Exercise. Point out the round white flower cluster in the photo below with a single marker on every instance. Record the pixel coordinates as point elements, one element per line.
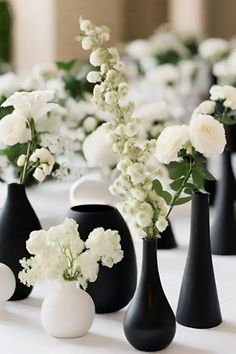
<point>214,49</point>
<point>60,254</point>
<point>226,93</point>
<point>225,70</point>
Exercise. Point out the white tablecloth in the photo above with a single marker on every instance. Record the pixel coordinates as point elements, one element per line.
<point>21,331</point>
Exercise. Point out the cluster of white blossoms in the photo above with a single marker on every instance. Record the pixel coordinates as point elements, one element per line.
<point>214,49</point>
<point>147,209</point>
<point>225,70</point>
<point>60,254</point>
<point>19,127</point>
<point>226,94</point>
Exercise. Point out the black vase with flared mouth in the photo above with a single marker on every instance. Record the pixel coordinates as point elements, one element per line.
<point>149,322</point>
<point>17,221</point>
<point>167,240</point>
<point>198,305</point>
<point>115,286</point>
<point>223,230</point>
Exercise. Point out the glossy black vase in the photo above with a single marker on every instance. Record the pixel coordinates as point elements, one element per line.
<point>223,231</point>
<point>17,220</point>
<point>149,322</point>
<point>167,240</point>
<point>115,286</point>
<point>198,305</point>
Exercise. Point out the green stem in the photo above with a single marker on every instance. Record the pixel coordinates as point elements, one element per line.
<point>30,148</point>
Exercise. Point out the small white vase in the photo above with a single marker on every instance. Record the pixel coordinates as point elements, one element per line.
<point>67,311</point>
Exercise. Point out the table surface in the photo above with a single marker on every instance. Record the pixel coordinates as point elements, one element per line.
<point>21,331</point>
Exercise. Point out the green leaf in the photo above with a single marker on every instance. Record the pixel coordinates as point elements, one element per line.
<point>177,184</point>
<point>167,197</point>
<point>177,170</point>
<point>188,191</point>
<point>181,201</point>
<point>205,173</point>
<point>197,179</point>
<point>65,65</point>
<point>157,186</point>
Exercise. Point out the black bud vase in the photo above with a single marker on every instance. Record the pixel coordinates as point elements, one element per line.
<point>149,322</point>
<point>198,305</point>
<point>223,232</point>
<point>17,220</point>
<point>167,239</point>
<point>115,286</point>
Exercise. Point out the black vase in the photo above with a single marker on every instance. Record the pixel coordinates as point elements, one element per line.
<point>114,287</point>
<point>149,322</point>
<point>198,305</point>
<point>17,220</point>
<point>167,240</point>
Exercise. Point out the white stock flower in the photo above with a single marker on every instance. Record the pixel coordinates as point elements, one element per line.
<point>144,214</point>
<point>39,175</point>
<point>97,57</point>
<point>21,160</point>
<point>207,135</point>
<point>31,104</point>
<point>136,172</point>
<point>97,152</point>
<point>86,26</point>
<point>161,223</point>
<point>87,43</point>
<point>214,49</point>
<point>206,107</point>
<point>13,129</point>
<point>89,124</point>
<point>94,76</point>
<point>170,142</point>
<point>43,155</point>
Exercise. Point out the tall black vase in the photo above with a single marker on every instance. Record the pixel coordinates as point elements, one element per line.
<point>198,305</point>
<point>114,287</point>
<point>149,322</point>
<point>167,240</point>
<point>17,220</point>
<point>223,232</point>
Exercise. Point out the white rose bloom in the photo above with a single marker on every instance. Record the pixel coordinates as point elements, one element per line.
<point>230,96</point>
<point>170,142</point>
<point>31,104</point>
<point>39,175</point>
<point>97,57</point>
<point>214,49</point>
<point>13,129</point>
<point>207,135</point>
<point>161,224</point>
<point>217,93</point>
<point>94,76</point>
<point>206,107</point>
<point>96,150</point>
<point>138,49</point>
<point>21,160</point>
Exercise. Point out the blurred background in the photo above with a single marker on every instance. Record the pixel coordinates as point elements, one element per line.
<point>42,31</point>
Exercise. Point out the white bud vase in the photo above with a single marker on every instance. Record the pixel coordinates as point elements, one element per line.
<point>67,311</point>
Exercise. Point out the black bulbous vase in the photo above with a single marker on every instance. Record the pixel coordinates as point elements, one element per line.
<point>223,231</point>
<point>114,287</point>
<point>149,322</point>
<point>198,305</point>
<point>167,240</point>
<point>17,221</point>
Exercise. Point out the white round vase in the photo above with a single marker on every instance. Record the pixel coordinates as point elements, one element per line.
<point>67,311</point>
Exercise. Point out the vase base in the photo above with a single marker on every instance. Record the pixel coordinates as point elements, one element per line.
<point>199,325</point>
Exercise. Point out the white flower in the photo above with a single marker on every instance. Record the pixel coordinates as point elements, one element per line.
<point>87,43</point>
<point>97,57</point>
<point>214,49</point>
<point>206,107</point>
<point>217,93</point>
<point>21,160</point>
<point>86,26</point>
<point>144,215</point>
<point>136,173</point>
<point>31,104</point>
<point>170,142</point>
<point>43,155</point>
<point>97,152</point>
<point>9,83</point>
<point>230,97</point>
<point>155,111</point>
<point>207,135</point>
<point>89,267</point>
<point>138,48</point>
<point>39,175</point>
<point>89,124</point>
<point>13,129</point>
<point>161,224</point>
<point>166,74</point>
<point>111,97</point>
<point>94,76</point>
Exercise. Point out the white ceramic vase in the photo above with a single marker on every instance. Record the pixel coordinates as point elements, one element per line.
<point>67,311</point>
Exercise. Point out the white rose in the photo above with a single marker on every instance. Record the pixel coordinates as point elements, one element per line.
<point>217,93</point>
<point>93,76</point>
<point>170,142</point>
<point>87,43</point>
<point>13,129</point>
<point>21,160</point>
<point>97,152</point>
<point>39,175</point>
<point>207,135</point>
<point>230,96</point>
<point>97,57</point>
<point>206,107</point>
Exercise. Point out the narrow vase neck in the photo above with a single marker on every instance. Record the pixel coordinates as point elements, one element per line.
<point>149,263</point>
<point>14,188</point>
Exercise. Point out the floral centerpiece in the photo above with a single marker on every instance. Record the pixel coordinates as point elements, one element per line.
<point>60,255</point>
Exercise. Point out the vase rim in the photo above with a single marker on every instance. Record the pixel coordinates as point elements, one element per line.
<point>93,208</point>
<point>201,193</point>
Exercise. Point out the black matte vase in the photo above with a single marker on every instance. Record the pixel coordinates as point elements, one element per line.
<point>167,240</point>
<point>17,220</point>
<point>149,322</point>
<point>115,286</point>
<point>198,305</point>
<point>223,232</point>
